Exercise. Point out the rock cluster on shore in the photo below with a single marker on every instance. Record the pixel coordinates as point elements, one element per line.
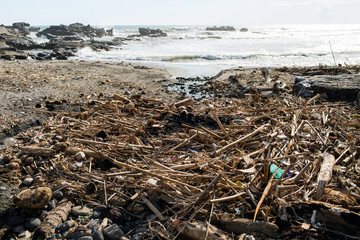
<point>222,28</point>
<point>77,30</point>
<point>149,32</point>
<point>64,41</point>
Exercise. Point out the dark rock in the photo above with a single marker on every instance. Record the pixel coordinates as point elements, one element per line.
<point>94,224</point>
<point>116,215</point>
<point>58,195</point>
<point>11,55</point>
<point>43,58</point>
<point>33,224</point>
<point>61,57</point>
<point>52,204</point>
<point>21,42</point>
<point>244,30</point>
<point>151,32</point>
<point>15,221</point>
<point>80,210</point>
<point>222,28</point>
<point>58,236</point>
<point>66,225</point>
<point>113,232</point>
<point>100,208</point>
<point>98,235</point>
<point>55,38</point>
<point>303,87</point>
<point>34,29</point>
<point>22,27</point>
<point>19,229</point>
<point>61,30</point>
<point>43,215</point>
<point>79,235</point>
<point>119,40</point>
<point>109,32</point>
<point>86,238</point>
<point>97,214</point>
<point>343,87</point>
<point>358,101</point>
<point>72,30</point>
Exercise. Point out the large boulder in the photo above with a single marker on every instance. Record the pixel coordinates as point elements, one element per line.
<point>21,42</point>
<point>151,32</point>
<point>3,45</point>
<point>12,55</point>
<point>343,87</point>
<point>4,30</point>
<point>33,198</point>
<point>75,29</point>
<point>222,28</point>
<point>22,27</point>
<point>110,32</point>
<point>61,30</point>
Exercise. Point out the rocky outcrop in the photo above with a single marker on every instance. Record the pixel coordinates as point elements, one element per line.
<point>64,42</point>
<point>109,32</point>
<point>10,53</point>
<point>21,42</point>
<point>22,27</point>
<point>11,41</point>
<point>14,38</point>
<point>151,32</point>
<point>75,29</point>
<point>34,29</point>
<point>345,87</point>
<point>222,28</point>
<point>244,30</point>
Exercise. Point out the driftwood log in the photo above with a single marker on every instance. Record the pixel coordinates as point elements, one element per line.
<point>55,218</point>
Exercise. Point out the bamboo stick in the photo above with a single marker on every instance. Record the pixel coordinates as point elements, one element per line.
<point>121,164</point>
<point>240,140</point>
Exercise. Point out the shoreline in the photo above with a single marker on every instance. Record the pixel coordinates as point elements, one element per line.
<point>28,85</point>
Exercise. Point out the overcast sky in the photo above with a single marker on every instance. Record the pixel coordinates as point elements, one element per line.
<point>181,12</point>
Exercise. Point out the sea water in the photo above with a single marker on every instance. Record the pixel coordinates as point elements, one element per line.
<point>190,51</point>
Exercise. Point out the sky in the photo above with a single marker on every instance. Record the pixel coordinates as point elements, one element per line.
<point>181,12</point>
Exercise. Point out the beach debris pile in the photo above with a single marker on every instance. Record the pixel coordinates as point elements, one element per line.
<point>131,167</point>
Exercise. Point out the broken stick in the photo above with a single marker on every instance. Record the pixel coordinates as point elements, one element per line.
<point>240,140</point>
<point>325,174</point>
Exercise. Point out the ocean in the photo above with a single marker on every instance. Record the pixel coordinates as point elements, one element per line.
<point>190,51</point>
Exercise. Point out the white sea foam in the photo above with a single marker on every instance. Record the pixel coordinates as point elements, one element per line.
<point>193,50</point>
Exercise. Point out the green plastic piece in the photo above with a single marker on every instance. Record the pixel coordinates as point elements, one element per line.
<point>279,172</point>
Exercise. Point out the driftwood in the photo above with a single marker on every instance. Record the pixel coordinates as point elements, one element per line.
<point>198,230</point>
<point>89,153</point>
<point>55,218</point>
<point>239,140</point>
<point>237,225</point>
<point>37,151</point>
<point>243,225</point>
<point>325,174</point>
<point>333,218</point>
